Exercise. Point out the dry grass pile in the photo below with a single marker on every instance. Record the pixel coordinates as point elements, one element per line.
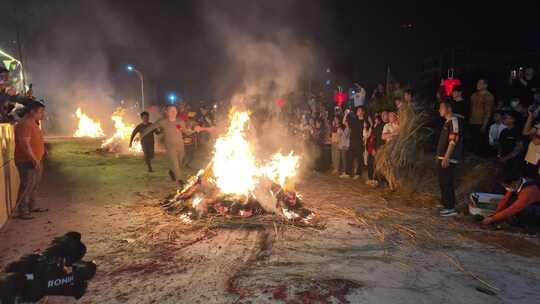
<point>399,161</point>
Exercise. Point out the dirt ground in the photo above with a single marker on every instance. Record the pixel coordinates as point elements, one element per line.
<point>367,247</point>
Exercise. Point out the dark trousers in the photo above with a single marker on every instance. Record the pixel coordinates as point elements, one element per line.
<point>478,142</point>
<point>30,178</point>
<point>447,185</point>
<point>148,151</point>
<point>512,167</point>
<point>371,166</point>
<point>530,171</point>
<point>355,152</point>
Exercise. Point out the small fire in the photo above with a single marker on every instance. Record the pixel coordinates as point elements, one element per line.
<point>87,127</point>
<point>120,138</point>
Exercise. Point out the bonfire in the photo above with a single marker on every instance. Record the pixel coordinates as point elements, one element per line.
<point>119,142</point>
<point>235,183</point>
<point>87,127</point>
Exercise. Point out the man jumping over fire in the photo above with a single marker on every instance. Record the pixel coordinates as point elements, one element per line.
<point>172,130</point>
<point>147,142</point>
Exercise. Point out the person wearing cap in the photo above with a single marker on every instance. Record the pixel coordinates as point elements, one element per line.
<point>29,153</point>
<point>510,147</point>
<point>521,202</point>
<point>449,155</point>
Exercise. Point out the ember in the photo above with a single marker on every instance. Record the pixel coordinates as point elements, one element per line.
<point>233,184</point>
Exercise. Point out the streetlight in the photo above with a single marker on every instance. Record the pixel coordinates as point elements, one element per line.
<point>172,97</point>
<point>131,68</point>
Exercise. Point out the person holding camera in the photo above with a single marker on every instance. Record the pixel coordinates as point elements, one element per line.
<point>29,153</point>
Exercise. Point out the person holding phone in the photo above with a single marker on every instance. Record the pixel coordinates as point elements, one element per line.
<point>29,152</point>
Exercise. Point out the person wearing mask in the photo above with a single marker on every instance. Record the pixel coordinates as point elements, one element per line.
<point>449,155</point>
<point>391,129</point>
<point>482,107</point>
<point>520,203</point>
<point>510,147</point>
<point>532,157</point>
<point>29,153</point>
<point>147,142</point>
<point>172,130</point>
<point>355,122</point>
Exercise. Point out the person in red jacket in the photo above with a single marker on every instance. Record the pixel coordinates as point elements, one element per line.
<point>522,199</point>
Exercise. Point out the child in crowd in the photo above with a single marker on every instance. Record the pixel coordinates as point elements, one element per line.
<point>391,129</point>
<point>335,144</point>
<point>343,134</point>
<point>495,129</point>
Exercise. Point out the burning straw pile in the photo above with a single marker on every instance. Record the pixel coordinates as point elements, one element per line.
<point>399,159</point>
<point>235,184</point>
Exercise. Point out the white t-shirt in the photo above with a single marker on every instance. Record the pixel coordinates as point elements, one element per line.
<point>495,132</point>
<point>390,128</point>
<point>360,98</point>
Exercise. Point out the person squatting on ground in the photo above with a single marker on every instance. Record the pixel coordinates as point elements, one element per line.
<point>449,154</point>
<point>147,142</point>
<point>29,153</point>
<point>520,204</point>
<point>355,122</point>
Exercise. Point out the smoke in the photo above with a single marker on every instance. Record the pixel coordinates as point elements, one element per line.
<point>267,60</point>
<point>68,49</point>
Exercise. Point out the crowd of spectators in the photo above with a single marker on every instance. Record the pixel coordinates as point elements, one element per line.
<point>486,127</point>
<point>12,101</point>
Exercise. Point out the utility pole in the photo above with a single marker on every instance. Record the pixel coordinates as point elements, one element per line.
<point>19,44</point>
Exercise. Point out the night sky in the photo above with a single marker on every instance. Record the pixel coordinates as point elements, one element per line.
<point>172,43</point>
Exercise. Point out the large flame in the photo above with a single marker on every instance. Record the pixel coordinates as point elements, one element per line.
<point>235,167</point>
<point>87,127</point>
<point>122,134</point>
<point>282,169</point>
<point>234,164</point>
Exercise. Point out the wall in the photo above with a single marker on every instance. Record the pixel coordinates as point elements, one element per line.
<point>9,178</point>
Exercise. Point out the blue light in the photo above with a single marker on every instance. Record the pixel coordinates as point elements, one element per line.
<point>130,68</point>
<point>328,82</point>
<point>172,97</point>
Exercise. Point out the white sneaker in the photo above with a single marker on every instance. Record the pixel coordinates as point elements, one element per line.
<point>356,177</point>
<point>344,176</point>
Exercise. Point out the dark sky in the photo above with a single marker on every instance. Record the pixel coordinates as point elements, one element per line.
<point>172,42</point>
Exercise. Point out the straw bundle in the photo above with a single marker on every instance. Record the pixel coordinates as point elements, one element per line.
<point>397,161</point>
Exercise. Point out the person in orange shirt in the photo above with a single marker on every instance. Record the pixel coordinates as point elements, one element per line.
<point>29,152</point>
<point>522,201</point>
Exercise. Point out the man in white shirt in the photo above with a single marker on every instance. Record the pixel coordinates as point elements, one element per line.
<point>495,129</point>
